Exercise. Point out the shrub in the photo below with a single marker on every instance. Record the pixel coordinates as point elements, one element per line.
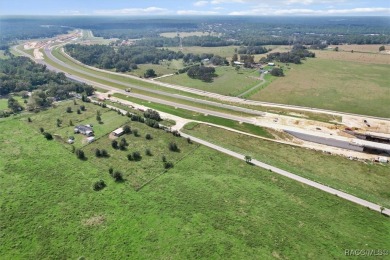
<point>123,144</point>
<point>137,156</point>
<point>98,153</point>
<point>152,114</point>
<point>104,153</point>
<point>168,165</point>
<point>148,137</point>
<point>173,147</point>
<point>164,159</point>
<point>110,170</point>
<point>127,129</point>
<point>68,110</point>
<point>148,152</point>
<point>135,132</point>
<point>189,140</point>
<point>130,157</point>
<point>117,175</point>
<point>78,111</point>
<point>114,144</point>
<point>29,120</point>
<point>41,130</point>
<point>48,136</point>
<point>80,154</point>
<point>99,185</point>
<point>176,133</point>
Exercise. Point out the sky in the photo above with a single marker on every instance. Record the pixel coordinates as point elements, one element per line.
<point>197,7</point>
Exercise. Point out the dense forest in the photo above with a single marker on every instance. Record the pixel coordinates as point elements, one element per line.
<point>21,75</point>
<point>126,58</point>
<point>247,31</point>
<point>123,59</point>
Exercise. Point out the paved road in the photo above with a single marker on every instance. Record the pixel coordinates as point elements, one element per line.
<point>232,99</point>
<point>290,175</point>
<point>234,154</point>
<point>159,92</point>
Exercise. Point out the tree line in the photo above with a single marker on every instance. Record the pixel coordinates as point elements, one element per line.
<point>297,53</point>
<point>20,75</point>
<point>123,59</point>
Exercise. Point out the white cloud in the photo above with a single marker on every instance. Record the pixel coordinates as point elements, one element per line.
<point>298,11</point>
<point>196,12</point>
<point>201,3</point>
<point>71,12</point>
<point>134,11</point>
<point>217,2</point>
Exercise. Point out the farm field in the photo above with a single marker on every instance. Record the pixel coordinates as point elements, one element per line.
<point>229,81</point>
<point>360,57</point>
<point>208,205</point>
<point>373,48</point>
<point>367,181</point>
<point>337,85</point>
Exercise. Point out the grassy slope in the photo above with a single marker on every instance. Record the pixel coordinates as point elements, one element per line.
<point>228,82</point>
<point>367,181</point>
<point>208,206</point>
<point>336,85</point>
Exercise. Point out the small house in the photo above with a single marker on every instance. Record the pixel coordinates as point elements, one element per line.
<point>238,63</point>
<point>271,64</point>
<point>118,132</point>
<point>83,129</point>
<point>90,139</point>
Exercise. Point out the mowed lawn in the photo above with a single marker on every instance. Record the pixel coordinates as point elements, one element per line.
<point>228,82</point>
<point>331,84</point>
<point>208,206</point>
<point>368,181</point>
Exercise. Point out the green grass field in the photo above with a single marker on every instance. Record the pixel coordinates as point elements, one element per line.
<point>208,206</point>
<point>367,181</point>
<point>229,81</point>
<point>4,102</point>
<point>337,85</point>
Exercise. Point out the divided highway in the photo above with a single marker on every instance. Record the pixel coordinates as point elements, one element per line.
<point>341,194</point>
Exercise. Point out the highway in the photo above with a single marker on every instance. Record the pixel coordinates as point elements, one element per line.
<point>225,98</point>
<point>158,92</point>
<point>341,194</point>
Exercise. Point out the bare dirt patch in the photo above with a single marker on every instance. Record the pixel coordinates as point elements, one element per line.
<point>93,221</point>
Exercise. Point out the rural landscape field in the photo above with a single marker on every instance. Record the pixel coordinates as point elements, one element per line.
<point>199,130</point>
